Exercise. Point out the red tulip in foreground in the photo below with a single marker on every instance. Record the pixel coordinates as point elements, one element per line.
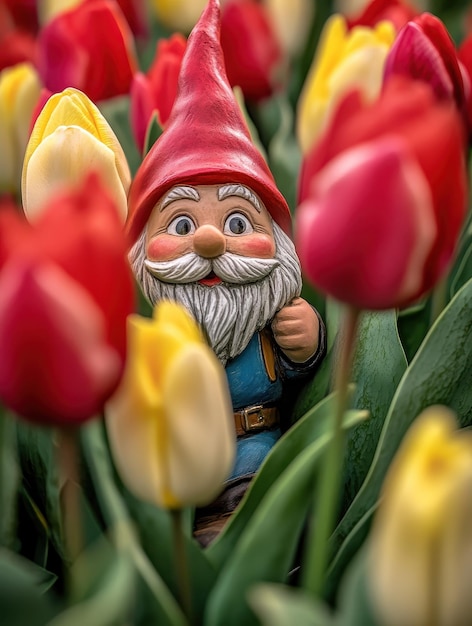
<point>383,197</point>
<point>89,47</point>
<point>65,293</point>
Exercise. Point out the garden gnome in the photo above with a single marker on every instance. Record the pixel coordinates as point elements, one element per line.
<point>210,230</point>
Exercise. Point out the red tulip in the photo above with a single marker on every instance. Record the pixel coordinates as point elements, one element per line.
<point>396,11</point>
<point>372,159</point>
<point>66,291</point>
<point>156,90</point>
<point>464,54</point>
<point>424,51</point>
<point>89,47</point>
<point>23,13</point>
<point>252,52</point>
<point>16,45</point>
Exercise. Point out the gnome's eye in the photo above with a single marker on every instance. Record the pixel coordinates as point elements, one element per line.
<point>181,225</point>
<point>238,224</point>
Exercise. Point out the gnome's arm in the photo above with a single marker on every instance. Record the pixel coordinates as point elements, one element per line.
<point>300,335</point>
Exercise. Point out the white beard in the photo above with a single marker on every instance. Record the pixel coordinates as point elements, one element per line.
<point>230,312</point>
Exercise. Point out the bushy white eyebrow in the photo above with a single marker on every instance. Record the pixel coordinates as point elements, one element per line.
<point>243,192</point>
<point>179,193</point>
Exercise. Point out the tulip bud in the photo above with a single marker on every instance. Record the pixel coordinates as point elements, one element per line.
<point>291,22</point>
<point>71,138</point>
<point>19,91</point>
<point>170,422</point>
<point>344,60</point>
<point>420,546</point>
<point>252,52</point>
<point>156,90</point>
<point>97,53</point>
<point>62,319</point>
<point>424,50</point>
<point>398,12</point>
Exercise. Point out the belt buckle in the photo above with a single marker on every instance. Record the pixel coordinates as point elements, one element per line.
<point>253,418</point>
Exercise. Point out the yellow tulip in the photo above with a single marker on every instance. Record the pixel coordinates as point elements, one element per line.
<point>69,139</point>
<point>344,60</point>
<point>179,15</point>
<point>48,9</point>
<point>19,92</point>
<point>291,20</point>
<point>420,552</point>
<point>170,423</point>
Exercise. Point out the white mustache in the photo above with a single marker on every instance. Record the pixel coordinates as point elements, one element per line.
<point>231,268</point>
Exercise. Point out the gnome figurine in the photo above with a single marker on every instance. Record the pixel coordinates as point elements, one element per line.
<point>209,229</point>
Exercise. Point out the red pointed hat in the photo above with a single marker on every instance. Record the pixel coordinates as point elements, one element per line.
<point>206,140</point>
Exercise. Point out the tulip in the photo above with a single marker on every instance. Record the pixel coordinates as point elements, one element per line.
<point>178,15</point>
<point>16,45</point>
<point>70,138</point>
<point>291,22</point>
<point>420,546</point>
<point>89,47</point>
<point>19,91</point>
<point>23,13</point>
<point>424,51</point>
<point>133,10</point>
<point>344,60</point>
<point>343,201</point>
<point>156,90</point>
<point>396,11</point>
<point>62,318</point>
<point>251,49</point>
<point>170,423</point>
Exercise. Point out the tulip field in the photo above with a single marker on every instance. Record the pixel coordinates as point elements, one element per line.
<point>329,145</point>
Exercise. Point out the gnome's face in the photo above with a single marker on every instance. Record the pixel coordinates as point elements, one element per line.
<point>211,222</point>
<point>216,250</point>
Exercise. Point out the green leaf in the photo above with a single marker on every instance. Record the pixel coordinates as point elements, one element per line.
<point>378,367</point>
<point>40,482</point>
<point>440,373</point>
<point>279,605</point>
<point>316,423</point>
<point>267,548</point>
<point>104,589</point>
<point>413,325</point>
<point>161,605</point>
<point>284,153</point>
<point>116,112</point>
<point>9,479</point>
<point>153,132</point>
<point>22,600</point>
<point>317,388</point>
<point>355,607</point>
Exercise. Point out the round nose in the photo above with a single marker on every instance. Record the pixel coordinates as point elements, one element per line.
<point>209,242</point>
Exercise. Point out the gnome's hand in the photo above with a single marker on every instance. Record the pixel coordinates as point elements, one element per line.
<point>296,330</point>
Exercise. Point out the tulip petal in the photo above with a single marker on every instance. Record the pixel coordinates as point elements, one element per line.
<point>199,415</point>
<point>55,364</point>
<point>62,160</point>
<point>369,210</point>
<point>420,545</point>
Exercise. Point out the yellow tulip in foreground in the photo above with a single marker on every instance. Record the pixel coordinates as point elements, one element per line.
<point>71,138</point>
<point>19,91</point>
<point>170,423</point>
<point>420,559</point>
<point>344,60</point>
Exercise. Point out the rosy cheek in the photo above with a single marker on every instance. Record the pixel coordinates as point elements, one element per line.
<point>165,248</point>
<point>255,245</point>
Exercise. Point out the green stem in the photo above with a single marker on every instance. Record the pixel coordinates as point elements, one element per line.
<point>117,517</point>
<point>181,562</point>
<point>327,497</point>
<point>438,300</point>
<point>9,479</point>
<point>69,480</point>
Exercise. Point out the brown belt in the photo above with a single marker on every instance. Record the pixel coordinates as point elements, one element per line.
<point>255,418</point>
